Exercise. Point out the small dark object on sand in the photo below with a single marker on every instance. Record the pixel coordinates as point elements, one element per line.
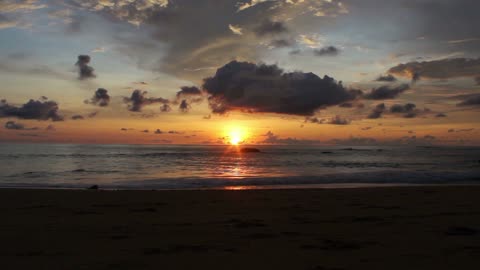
<point>250,150</point>
<point>327,152</point>
<point>94,187</point>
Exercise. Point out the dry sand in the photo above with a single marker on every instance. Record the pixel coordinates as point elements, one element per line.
<point>367,228</point>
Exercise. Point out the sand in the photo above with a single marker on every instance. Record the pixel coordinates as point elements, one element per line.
<point>366,228</point>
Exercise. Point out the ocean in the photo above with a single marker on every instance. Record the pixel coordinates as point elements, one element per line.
<point>204,167</point>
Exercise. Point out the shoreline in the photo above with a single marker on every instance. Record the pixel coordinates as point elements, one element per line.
<point>352,185</point>
<point>327,186</point>
<point>414,227</point>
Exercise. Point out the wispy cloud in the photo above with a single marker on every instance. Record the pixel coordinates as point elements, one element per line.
<point>458,41</point>
<point>312,41</point>
<point>237,30</point>
<point>99,50</point>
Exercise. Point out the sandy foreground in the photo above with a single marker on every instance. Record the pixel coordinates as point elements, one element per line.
<point>366,228</point>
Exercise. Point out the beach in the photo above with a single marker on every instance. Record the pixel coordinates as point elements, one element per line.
<point>411,227</point>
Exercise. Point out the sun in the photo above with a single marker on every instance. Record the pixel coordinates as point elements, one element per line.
<point>235,140</point>
<point>236,135</point>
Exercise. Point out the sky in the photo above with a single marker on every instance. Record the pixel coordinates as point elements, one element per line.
<point>326,72</point>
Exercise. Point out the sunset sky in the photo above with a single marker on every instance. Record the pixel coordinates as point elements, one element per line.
<point>265,72</point>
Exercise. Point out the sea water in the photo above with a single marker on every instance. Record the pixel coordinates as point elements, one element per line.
<point>197,167</point>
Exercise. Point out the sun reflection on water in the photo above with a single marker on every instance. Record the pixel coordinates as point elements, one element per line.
<point>237,188</point>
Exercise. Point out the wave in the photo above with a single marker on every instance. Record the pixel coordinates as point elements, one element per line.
<point>371,178</point>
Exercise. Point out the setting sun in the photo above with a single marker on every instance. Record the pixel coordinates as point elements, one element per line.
<point>235,140</point>
<point>236,135</point>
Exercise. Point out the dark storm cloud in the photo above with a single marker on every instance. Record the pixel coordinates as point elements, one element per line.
<point>386,78</point>
<point>409,110</point>
<point>84,70</point>
<point>138,100</point>
<point>378,111</point>
<point>353,104</point>
<point>13,125</point>
<point>338,120</point>
<point>269,27</point>
<point>438,69</point>
<point>327,51</point>
<point>186,96</point>
<point>78,117</point>
<point>33,109</point>
<point>314,120</point>
<point>17,126</point>
<point>398,108</point>
<point>471,100</point>
<point>81,117</point>
<point>165,108</point>
<point>187,91</point>
<point>386,92</point>
<point>267,88</point>
<point>100,98</point>
<point>184,106</point>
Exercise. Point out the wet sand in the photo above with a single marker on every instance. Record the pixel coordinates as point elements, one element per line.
<point>365,228</point>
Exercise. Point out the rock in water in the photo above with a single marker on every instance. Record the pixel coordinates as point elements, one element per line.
<point>250,150</point>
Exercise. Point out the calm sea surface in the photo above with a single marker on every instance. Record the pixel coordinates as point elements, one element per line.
<point>186,167</point>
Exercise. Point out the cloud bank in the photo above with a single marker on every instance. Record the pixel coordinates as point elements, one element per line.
<point>33,109</point>
<point>266,88</point>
